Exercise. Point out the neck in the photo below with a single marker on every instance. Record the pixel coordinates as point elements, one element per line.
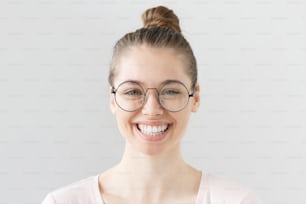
<point>151,167</point>
<point>154,175</point>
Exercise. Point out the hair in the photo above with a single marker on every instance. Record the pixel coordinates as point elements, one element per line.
<point>161,29</point>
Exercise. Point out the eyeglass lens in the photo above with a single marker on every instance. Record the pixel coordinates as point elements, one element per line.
<point>130,96</point>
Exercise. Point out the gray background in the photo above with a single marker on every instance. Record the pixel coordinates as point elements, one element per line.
<point>55,123</point>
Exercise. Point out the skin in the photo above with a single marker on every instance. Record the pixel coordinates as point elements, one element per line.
<point>151,171</point>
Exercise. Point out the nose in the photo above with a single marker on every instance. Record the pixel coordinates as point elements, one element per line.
<point>151,105</point>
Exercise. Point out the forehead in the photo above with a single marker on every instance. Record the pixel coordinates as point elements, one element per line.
<point>151,66</point>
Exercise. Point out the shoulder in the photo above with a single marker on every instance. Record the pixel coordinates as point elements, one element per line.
<point>85,191</point>
<point>222,190</point>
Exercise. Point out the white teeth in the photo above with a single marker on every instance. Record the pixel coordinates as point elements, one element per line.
<point>152,130</point>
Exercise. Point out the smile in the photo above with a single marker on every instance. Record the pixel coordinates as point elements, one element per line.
<point>152,130</point>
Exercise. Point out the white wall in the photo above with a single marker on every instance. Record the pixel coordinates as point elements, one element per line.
<point>55,125</point>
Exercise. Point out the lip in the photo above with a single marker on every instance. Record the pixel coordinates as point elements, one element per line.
<point>150,138</point>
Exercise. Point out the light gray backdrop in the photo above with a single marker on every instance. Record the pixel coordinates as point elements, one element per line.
<point>55,123</point>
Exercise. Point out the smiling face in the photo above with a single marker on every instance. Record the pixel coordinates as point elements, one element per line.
<point>152,129</point>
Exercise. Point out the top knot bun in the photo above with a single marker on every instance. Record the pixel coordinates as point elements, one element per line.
<point>161,17</point>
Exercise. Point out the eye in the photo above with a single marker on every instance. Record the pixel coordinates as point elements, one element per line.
<point>170,92</point>
<point>133,92</point>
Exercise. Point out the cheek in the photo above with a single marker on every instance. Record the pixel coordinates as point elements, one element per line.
<point>123,120</point>
<point>121,125</point>
<point>182,119</point>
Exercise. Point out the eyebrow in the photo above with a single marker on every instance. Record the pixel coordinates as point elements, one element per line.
<point>163,83</point>
<point>171,81</point>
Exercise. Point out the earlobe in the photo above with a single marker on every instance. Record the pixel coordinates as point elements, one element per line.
<point>112,105</point>
<point>196,99</point>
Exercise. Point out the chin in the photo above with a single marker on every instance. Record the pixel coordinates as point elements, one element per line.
<point>150,151</point>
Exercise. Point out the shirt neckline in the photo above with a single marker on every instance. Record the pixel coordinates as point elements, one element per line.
<point>199,198</point>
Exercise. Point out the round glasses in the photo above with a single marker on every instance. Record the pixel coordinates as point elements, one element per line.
<point>172,96</point>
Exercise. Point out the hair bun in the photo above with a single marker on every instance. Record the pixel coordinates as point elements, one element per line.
<point>160,16</point>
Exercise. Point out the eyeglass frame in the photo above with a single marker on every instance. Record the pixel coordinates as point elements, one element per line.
<point>114,91</point>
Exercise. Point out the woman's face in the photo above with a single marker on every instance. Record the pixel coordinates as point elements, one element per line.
<point>152,129</point>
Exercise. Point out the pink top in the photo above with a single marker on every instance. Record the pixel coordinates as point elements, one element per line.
<point>212,190</point>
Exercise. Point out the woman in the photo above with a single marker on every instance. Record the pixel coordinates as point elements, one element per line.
<point>153,90</point>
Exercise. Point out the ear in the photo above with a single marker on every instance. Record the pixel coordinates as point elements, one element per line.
<point>112,102</point>
<point>196,98</point>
